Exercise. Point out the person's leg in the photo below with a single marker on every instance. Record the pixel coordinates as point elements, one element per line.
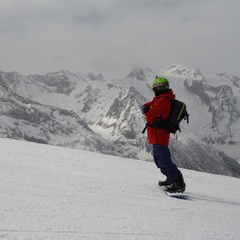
<point>162,159</point>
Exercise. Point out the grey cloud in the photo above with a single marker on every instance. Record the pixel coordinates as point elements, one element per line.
<point>94,19</point>
<point>114,35</point>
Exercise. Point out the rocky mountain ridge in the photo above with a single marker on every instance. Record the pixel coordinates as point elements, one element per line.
<point>103,115</point>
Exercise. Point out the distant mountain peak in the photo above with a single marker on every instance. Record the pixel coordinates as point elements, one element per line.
<point>92,77</point>
<point>229,78</point>
<point>179,69</point>
<point>140,73</point>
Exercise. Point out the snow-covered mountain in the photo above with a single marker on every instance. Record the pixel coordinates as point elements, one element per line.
<point>55,193</point>
<point>111,109</point>
<point>23,118</point>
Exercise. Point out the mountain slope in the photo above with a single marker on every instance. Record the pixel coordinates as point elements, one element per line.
<point>111,109</point>
<point>22,118</point>
<point>59,193</point>
<point>215,103</point>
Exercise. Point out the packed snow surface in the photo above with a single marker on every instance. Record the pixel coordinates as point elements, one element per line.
<point>50,192</point>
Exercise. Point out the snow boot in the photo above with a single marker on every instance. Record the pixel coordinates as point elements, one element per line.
<point>164,183</point>
<point>178,186</point>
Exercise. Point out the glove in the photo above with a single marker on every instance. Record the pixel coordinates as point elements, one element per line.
<point>144,109</point>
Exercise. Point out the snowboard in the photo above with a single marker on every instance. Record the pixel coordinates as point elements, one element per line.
<point>163,190</point>
<point>174,195</point>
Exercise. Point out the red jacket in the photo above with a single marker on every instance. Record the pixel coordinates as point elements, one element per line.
<point>159,106</point>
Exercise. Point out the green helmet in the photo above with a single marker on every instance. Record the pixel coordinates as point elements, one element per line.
<point>160,84</point>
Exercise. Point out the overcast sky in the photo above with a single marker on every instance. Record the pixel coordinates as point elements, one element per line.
<point>114,36</point>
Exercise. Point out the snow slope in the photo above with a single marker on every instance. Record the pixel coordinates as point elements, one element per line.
<point>49,192</point>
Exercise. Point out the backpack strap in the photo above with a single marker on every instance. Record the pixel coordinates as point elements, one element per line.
<point>147,125</point>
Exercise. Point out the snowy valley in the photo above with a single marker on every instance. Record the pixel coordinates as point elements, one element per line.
<point>92,113</point>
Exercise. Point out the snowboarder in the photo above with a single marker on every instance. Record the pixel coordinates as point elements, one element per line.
<point>159,138</point>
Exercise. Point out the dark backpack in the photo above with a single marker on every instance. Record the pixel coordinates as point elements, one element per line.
<point>177,114</point>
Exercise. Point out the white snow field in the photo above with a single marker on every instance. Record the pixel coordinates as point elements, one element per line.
<point>49,192</point>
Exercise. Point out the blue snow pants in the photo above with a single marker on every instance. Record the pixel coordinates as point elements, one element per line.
<point>162,159</point>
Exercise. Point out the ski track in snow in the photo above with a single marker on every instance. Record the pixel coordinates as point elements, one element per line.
<point>50,192</point>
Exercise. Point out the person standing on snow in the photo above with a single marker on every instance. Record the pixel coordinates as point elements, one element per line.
<point>160,107</point>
